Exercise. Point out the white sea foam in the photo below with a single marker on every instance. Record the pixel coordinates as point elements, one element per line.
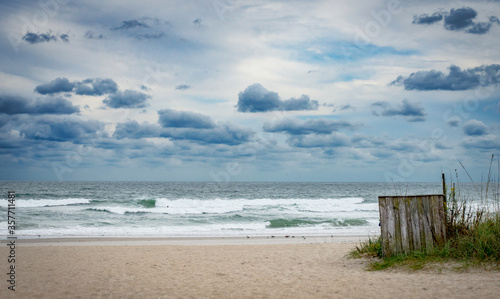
<point>221,206</point>
<point>123,210</point>
<point>220,229</point>
<point>30,203</point>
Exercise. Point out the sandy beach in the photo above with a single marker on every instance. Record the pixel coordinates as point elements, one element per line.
<point>315,267</point>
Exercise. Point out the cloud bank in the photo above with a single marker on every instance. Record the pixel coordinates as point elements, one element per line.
<point>11,104</point>
<point>413,112</point>
<point>90,87</point>
<point>185,125</point>
<point>97,87</point>
<point>460,19</point>
<point>456,79</point>
<point>127,99</point>
<point>255,98</point>
<point>36,38</point>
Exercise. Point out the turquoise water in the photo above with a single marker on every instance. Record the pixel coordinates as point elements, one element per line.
<point>65,209</point>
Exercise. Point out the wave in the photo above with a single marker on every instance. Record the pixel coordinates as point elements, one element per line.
<point>31,203</point>
<point>185,206</point>
<point>262,208</point>
<point>281,223</point>
<point>147,203</point>
<point>219,206</point>
<point>126,210</point>
<point>208,229</point>
<point>98,210</point>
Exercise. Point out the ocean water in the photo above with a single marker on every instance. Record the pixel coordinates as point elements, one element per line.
<point>176,209</point>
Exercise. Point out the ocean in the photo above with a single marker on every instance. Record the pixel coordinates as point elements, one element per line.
<point>198,209</point>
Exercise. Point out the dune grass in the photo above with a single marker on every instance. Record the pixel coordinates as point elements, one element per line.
<point>473,234</point>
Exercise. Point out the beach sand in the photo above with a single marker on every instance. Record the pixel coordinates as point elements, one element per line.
<point>222,268</point>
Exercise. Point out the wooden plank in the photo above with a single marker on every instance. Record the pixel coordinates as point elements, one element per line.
<point>442,213</point>
<point>435,223</point>
<point>384,229</point>
<point>391,227</point>
<point>438,219</point>
<point>417,244</point>
<point>427,219</point>
<point>408,217</point>
<point>397,225</point>
<point>420,213</point>
<point>403,220</point>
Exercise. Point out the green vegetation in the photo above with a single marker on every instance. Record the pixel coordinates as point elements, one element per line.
<point>473,234</point>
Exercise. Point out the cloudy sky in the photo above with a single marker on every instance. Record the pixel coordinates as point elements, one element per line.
<point>234,90</point>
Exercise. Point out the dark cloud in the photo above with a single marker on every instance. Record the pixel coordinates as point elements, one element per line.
<point>55,86</point>
<point>454,122</point>
<point>4,119</point>
<point>484,142</point>
<point>144,29</point>
<point>222,134</point>
<point>55,106</point>
<point>412,111</point>
<point>10,104</point>
<point>131,24</point>
<point>255,98</point>
<point>91,35</point>
<point>96,87</point>
<point>457,20</point>
<point>311,126</point>
<point>91,87</point>
<point>302,103</point>
<point>456,79</point>
<point>145,88</point>
<point>150,35</point>
<point>34,38</point>
<point>341,107</point>
<point>127,99</point>
<point>72,130</point>
<point>475,128</point>
<point>182,87</point>
<point>364,141</point>
<point>134,130</point>
<point>184,125</point>
<point>184,119</point>
<point>310,141</point>
<point>64,37</point>
<point>479,28</point>
<point>427,19</point>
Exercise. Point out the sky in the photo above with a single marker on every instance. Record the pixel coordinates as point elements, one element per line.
<point>234,90</point>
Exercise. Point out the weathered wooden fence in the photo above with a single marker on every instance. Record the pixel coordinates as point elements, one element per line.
<point>409,223</point>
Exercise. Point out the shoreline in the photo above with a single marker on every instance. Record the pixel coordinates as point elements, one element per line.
<point>187,240</point>
<point>55,268</point>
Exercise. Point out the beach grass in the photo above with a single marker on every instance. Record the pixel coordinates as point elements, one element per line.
<point>473,234</point>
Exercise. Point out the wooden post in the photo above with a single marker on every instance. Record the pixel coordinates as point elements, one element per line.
<point>411,223</point>
<point>444,191</point>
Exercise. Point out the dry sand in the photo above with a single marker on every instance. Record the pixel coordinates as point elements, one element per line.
<point>158,269</point>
